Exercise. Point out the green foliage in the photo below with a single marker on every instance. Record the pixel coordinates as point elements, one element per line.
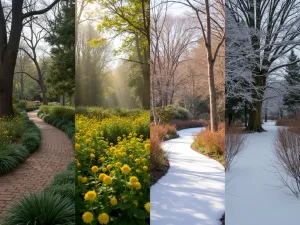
<point>292,97</point>
<point>16,110</point>
<point>64,182</point>
<point>10,129</point>
<point>61,117</point>
<point>65,177</point>
<point>182,114</point>
<point>101,113</point>
<point>31,141</point>
<point>170,113</point>
<point>135,30</point>
<point>22,105</point>
<point>41,209</point>
<point>31,108</point>
<point>61,74</point>
<point>166,114</point>
<point>67,189</point>
<point>63,112</point>
<point>11,155</point>
<point>44,109</point>
<point>31,138</point>
<point>133,24</point>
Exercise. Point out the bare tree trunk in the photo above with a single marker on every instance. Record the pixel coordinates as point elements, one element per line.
<point>266,114</point>
<point>22,86</point>
<point>212,99</point>
<point>245,114</point>
<point>146,93</point>
<point>211,81</point>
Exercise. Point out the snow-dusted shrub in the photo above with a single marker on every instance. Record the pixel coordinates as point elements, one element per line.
<point>287,151</point>
<point>234,142</point>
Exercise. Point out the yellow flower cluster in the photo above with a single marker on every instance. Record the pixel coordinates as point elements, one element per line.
<point>113,171</point>
<point>10,128</point>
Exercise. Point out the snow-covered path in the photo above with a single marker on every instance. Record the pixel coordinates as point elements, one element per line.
<point>252,194</point>
<point>193,190</point>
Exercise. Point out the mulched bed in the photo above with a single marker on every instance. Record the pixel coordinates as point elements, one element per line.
<point>157,174</point>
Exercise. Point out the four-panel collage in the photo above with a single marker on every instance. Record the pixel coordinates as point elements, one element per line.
<point>149,112</point>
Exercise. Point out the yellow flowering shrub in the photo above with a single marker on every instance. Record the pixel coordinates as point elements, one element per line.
<point>112,158</point>
<point>10,129</point>
<point>113,127</point>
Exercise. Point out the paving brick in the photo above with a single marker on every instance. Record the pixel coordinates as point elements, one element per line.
<point>53,156</point>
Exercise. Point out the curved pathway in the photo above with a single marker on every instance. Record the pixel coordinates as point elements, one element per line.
<point>53,156</point>
<point>254,193</point>
<point>193,190</point>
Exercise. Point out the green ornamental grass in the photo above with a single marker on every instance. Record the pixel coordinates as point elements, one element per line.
<point>41,209</point>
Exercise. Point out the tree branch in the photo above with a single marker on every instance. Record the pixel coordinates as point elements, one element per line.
<point>28,75</point>
<point>42,11</point>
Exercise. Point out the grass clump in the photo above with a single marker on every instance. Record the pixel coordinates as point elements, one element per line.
<point>41,209</point>
<point>11,155</point>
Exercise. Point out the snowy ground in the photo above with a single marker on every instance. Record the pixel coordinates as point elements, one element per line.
<point>252,193</point>
<point>193,190</point>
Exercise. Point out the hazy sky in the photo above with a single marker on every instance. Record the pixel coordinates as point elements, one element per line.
<point>174,9</point>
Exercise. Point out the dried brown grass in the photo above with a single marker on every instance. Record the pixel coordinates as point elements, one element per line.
<point>158,159</point>
<point>212,143</point>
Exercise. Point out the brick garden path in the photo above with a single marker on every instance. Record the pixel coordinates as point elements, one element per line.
<point>53,156</point>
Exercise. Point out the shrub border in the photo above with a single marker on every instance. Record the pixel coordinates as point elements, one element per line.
<point>59,123</point>
<point>31,140</point>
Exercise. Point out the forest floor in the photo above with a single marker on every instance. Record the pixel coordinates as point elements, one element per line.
<point>254,193</point>
<point>53,156</point>
<point>193,190</point>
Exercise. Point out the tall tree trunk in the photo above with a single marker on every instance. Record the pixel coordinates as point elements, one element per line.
<point>210,72</point>
<point>6,93</point>
<point>62,100</point>
<point>212,97</point>
<point>146,93</point>
<point>255,122</point>
<point>143,59</point>
<point>153,105</point>
<point>44,93</point>
<point>9,50</point>
<point>266,114</point>
<point>8,57</point>
<point>245,114</point>
<point>22,87</point>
